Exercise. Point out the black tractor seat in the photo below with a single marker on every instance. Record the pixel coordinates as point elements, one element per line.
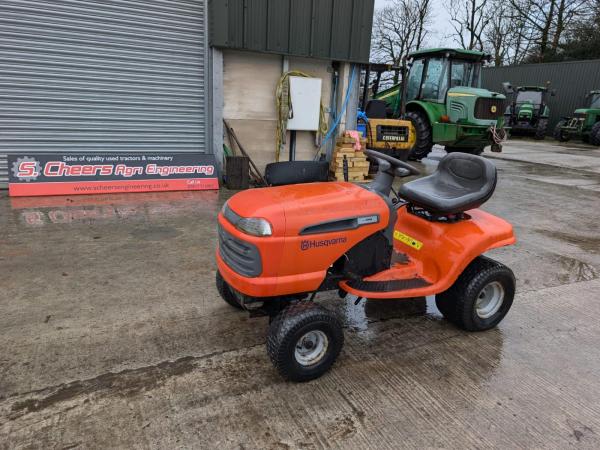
<point>461,182</point>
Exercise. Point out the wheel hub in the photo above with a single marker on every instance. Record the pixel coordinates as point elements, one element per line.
<point>311,348</point>
<point>489,300</point>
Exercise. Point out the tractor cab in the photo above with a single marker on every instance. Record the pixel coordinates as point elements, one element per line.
<point>594,100</point>
<point>530,95</point>
<point>528,111</point>
<point>434,72</point>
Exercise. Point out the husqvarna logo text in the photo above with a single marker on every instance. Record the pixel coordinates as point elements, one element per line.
<point>307,245</point>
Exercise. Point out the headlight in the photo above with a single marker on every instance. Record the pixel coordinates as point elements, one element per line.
<point>255,226</point>
<point>250,225</point>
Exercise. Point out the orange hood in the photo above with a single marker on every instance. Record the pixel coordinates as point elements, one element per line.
<point>293,207</point>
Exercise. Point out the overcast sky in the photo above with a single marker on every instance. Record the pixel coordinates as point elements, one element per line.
<point>440,26</point>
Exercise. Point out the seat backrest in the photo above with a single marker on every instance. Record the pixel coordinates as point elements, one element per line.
<point>376,109</point>
<point>468,171</point>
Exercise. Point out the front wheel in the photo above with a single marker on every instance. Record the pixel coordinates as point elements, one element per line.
<point>225,292</point>
<point>304,341</point>
<point>424,137</point>
<point>541,129</point>
<point>559,133</point>
<point>595,134</point>
<point>480,297</point>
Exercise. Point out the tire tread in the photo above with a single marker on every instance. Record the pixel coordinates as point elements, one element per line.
<point>595,134</point>
<point>455,303</point>
<point>424,141</point>
<point>286,324</point>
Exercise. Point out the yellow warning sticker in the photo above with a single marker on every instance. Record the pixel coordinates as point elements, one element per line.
<point>406,239</point>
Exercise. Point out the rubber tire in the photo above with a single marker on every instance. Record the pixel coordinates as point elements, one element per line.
<point>595,134</point>
<point>558,134</point>
<point>473,151</point>
<point>294,172</point>
<point>457,304</point>
<point>289,326</point>
<point>424,138</point>
<point>225,291</point>
<point>541,130</point>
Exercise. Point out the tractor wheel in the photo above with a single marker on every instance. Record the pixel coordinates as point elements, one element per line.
<point>472,151</point>
<point>480,297</point>
<point>225,292</point>
<point>595,134</point>
<point>541,130</point>
<point>424,141</point>
<point>304,341</point>
<point>559,134</point>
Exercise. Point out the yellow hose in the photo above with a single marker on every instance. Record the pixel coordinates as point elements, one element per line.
<point>282,102</point>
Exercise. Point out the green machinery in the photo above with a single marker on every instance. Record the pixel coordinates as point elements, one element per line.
<point>528,111</point>
<point>585,123</point>
<point>444,100</point>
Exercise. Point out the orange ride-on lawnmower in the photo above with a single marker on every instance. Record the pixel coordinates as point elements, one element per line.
<point>280,245</point>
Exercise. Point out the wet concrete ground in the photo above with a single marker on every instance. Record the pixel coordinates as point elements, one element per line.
<point>113,335</point>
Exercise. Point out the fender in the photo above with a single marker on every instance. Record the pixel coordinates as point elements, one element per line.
<point>438,252</point>
<point>433,110</point>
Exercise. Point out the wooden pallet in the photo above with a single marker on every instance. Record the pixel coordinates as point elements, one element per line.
<point>358,166</point>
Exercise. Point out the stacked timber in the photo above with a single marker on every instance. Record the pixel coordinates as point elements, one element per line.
<point>345,154</point>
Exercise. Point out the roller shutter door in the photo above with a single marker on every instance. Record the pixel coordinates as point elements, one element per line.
<point>102,75</point>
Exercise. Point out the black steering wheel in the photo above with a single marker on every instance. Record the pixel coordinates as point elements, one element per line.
<point>394,162</point>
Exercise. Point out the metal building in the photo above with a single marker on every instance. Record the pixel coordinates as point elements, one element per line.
<point>328,29</point>
<point>572,81</point>
<point>96,75</point>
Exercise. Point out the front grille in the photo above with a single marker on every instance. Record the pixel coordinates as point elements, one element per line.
<point>489,108</point>
<point>580,115</point>
<point>392,133</point>
<point>243,257</point>
<point>576,122</point>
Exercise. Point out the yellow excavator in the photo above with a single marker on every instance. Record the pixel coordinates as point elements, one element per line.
<point>387,129</point>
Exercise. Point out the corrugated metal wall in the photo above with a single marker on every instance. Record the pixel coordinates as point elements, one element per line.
<point>329,29</point>
<point>102,75</point>
<point>572,81</point>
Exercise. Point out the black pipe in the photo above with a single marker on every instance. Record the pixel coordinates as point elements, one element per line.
<point>292,145</point>
<point>366,87</point>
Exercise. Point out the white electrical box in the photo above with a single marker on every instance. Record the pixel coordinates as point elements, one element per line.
<point>305,95</point>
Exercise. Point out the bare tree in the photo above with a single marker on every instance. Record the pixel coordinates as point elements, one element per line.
<point>469,19</point>
<point>506,37</point>
<point>398,29</point>
<point>545,22</point>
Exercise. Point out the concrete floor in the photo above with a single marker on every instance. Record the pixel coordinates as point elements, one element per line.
<point>112,334</point>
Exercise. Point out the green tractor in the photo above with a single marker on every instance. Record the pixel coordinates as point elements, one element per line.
<point>444,101</point>
<point>585,123</point>
<point>528,112</point>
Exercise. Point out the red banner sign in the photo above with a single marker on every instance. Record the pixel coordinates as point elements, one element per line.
<point>100,173</point>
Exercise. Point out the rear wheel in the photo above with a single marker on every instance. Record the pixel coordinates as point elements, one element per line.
<point>541,130</point>
<point>595,134</point>
<point>225,292</point>
<point>559,133</point>
<point>304,341</point>
<point>424,138</point>
<point>481,296</point>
